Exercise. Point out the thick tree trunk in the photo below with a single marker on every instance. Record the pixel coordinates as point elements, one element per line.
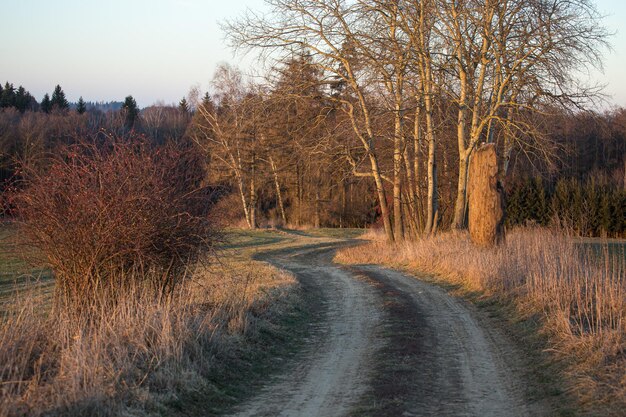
<point>486,202</point>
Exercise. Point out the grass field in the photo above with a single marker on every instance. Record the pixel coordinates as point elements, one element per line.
<point>197,354</point>
<point>15,272</point>
<point>569,293</point>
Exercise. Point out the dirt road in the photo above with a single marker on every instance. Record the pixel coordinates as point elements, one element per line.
<point>387,344</point>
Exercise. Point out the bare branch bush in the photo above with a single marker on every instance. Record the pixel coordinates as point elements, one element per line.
<point>111,213</point>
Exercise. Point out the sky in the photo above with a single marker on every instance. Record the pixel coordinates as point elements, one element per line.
<point>156,50</point>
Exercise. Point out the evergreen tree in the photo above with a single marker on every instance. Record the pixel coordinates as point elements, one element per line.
<point>131,112</point>
<point>22,99</point>
<point>207,103</point>
<point>618,204</point>
<point>46,105</point>
<point>513,205</point>
<point>540,203</point>
<point>7,99</point>
<point>81,106</point>
<point>183,106</point>
<point>58,99</point>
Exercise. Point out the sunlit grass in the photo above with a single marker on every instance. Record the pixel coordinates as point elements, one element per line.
<point>578,290</point>
<point>146,352</point>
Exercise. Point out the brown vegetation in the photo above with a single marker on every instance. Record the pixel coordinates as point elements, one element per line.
<point>146,355</point>
<point>109,215</point>
<point>578,297</point>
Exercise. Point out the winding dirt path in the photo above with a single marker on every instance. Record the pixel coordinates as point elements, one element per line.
<point>387,344</point>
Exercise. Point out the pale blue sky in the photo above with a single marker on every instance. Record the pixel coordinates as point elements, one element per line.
<point>157,49</point>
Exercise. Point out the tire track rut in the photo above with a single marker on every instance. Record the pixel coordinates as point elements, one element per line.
<point>388,344</point>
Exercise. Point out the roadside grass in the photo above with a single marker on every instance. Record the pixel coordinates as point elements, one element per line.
<point>566,303</point>
<point>233,321</point>
<point>16,275</point>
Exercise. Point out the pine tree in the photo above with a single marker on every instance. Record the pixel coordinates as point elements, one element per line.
<point>81,106</point>
<point>605,215</point>
<point>562,199</point>
<point>183,106</point>
<point>541,209</point>
<point>46,105</point>
<point>207,103</point>
<point>22,99</point>
<point>513,205</point>
<point>58,99</point>
<point>618,204</point>
<point>131,112</point>
<point>7,99</point>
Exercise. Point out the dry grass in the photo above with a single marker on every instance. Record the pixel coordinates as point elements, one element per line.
<point>579,297</point>
<point>145,355</point>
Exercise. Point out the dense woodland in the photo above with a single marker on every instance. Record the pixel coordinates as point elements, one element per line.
<point>370,112</point>
<point>282,152</point>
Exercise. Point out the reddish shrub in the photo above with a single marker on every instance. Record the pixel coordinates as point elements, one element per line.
<point>115,213</point>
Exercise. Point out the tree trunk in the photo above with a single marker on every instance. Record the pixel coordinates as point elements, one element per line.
<point>508,146</point>
<point>317,207</point>
<point>397,177</point>
<point>411,212</point>
<point>253,196</point>
<point>486,202</point>
<point>461,194</point>
<point>417,148</point>
<point>506,156</point>
<point>464,153</point>
<point>344,202</point>
<point>298,196</point>
<point>382,198</point>
<point>279,197</point>
<point>432,203</point>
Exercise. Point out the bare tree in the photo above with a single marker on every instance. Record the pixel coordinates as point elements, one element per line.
<point>329,30</point>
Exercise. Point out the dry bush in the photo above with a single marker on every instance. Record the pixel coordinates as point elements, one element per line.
<point>145,353</point>
<point>581,297</point>
<point>111,212</point>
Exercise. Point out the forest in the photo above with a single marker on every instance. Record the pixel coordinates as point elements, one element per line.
<point>284,152</point>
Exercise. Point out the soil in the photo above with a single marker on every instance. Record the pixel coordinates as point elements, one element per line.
<point>389,344</point>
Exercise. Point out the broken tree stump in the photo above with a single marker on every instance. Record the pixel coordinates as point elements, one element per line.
<point>486,198</point>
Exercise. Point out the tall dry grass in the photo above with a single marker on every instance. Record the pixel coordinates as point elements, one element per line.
<point>579,296</point>
<point>145,352</point>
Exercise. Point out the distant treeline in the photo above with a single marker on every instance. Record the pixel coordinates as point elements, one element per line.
<point>286,155</point>
<point>20,99</point>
